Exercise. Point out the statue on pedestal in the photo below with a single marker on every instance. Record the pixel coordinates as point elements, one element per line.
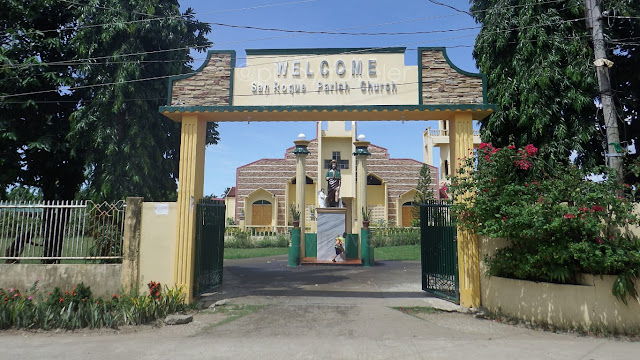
<point>333,180</point>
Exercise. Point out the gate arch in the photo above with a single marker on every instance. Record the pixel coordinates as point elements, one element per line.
<point>381,88</point>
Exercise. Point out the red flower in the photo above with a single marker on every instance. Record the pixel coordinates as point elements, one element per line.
<point>523,164</point>
<point>597,208</point>
<point>598,240</point>
<point>531,150</point>
<point>61,300</point>
<point>511,147</point>
<point>569,216</point>
<point>504,218</point>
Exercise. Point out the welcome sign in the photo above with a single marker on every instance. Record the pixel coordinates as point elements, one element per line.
<point>301,77</point>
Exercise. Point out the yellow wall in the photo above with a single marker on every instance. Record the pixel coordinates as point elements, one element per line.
<point>588,304</point>
<point>376,195</point>
<point>230,208</point>
<point>261,70</point>
<point>157,243</point>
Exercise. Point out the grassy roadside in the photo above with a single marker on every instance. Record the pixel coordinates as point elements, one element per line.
<point>398,253</point>
<point>233,253</point>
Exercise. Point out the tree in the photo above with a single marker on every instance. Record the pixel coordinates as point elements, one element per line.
<point>424,190</point>
<point>538,57</point>
<point>132,150</point>
<point>34,149</point>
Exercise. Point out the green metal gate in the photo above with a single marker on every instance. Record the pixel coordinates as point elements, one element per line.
<point>439,251</point>
<point>209,246</point>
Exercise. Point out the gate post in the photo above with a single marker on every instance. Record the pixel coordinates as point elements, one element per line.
<point>301,153</point>
<point>191,177</point>
<point>461,138</point>
<point>130,276</point>
<point>361,154</point>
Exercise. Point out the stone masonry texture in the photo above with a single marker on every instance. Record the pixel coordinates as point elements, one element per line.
<point>209,87</point>
<point>442,84</point>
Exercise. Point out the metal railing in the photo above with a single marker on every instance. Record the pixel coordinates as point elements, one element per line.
<point>51,231</point>
<point>445,132</point>
<point>257,230</point>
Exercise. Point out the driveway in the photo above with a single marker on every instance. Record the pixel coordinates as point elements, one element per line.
<point>319,312</point>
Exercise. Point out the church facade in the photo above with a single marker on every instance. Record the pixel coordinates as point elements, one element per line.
<point>265,188</point>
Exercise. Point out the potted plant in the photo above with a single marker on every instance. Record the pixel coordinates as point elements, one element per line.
<point>295,215</point>
<point>312,213</point>
<point>366,217</point>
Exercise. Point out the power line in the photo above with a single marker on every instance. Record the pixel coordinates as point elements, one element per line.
<point>76,61</point>
<point>153,17</point>
<point>344,33</point>
<point>267,63</point>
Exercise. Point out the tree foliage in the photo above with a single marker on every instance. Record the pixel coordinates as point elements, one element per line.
<point>131,149</point>
<point>76,103</point>
<point>33,127</point>
<point>424,190</point>
<point>538,57</point>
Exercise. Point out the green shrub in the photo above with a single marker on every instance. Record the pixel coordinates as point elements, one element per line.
<point>381,237</point>
<point>558,222</point>
<point>244,240</point>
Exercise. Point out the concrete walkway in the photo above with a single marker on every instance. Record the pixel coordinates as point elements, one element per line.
<point>321,312</point>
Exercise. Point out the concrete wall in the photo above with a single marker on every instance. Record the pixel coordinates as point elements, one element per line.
<point>157,243</point>
<point>104,279</point>
<point>588,304</point>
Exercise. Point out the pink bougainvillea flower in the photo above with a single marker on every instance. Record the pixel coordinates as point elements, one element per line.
<point>523,164</point>
<point>531,150</point>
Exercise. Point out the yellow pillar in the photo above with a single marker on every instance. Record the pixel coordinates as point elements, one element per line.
<point>301,153</point>
<point>191,178</point>
<point>461,146</point>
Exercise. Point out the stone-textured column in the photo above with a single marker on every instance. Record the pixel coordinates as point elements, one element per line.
<point>461,146</point>
<point>191,178</point>
<point>301,153</point>
<point>361,154</point>
<point>130,275</point>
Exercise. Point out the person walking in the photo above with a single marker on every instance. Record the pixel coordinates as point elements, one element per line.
<point>339,246</point>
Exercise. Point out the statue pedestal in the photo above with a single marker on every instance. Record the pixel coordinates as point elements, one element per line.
<point>331,224</point>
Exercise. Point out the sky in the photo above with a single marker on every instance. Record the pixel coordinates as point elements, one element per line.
<point>242,143</point>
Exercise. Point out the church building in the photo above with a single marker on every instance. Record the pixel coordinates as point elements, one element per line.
<point>265,188</point>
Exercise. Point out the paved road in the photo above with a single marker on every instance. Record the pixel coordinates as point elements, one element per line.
<point>321,312</point>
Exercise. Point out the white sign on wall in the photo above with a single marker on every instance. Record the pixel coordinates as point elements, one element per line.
<point>335,79</point>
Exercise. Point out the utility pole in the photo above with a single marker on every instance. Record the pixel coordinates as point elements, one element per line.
<point>594,22</point>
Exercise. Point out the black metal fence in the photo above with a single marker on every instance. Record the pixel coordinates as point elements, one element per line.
<point>439,251</point>
<point>209,246</point>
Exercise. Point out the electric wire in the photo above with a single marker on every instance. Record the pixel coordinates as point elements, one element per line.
<point>77,61</point>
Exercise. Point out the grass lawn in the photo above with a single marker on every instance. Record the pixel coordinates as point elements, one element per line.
<point>232,253</point>
<point>403,252</point>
